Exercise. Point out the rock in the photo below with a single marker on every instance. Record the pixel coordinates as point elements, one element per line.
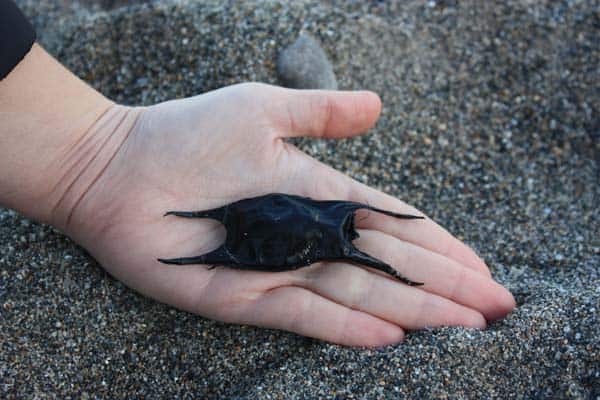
<point>304,65</point>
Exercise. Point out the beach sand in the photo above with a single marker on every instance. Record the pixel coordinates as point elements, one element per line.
<point>490,125</point>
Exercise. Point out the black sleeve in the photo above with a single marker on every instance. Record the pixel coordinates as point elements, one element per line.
<point>16,36</point>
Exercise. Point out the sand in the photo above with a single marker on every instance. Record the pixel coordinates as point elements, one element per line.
<point>490,125</point>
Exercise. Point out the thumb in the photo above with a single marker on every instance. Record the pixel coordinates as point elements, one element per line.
<point>325,114</point>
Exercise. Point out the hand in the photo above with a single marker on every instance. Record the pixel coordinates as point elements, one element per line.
<point>206,151</point>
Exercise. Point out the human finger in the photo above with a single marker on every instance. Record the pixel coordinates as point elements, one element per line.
<point>409,307</point>
<point>323,113</point>
<point>422,232</point>
<point>441,275</point>
<point>301,311</point>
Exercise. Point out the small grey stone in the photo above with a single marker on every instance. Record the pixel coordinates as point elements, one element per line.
<point>304,65</point>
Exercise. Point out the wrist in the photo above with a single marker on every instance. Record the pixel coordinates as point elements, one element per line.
<point>49,134</point>
<point>80,174</point>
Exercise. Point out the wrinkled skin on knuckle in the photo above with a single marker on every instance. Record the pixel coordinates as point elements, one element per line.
<point>358,286</point>
<point>229,305</point>
<point>322,108</point>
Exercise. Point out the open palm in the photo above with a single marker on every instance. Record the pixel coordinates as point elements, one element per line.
<point>213,149</point>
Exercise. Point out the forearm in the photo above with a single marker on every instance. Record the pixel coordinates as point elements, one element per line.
<point>55,137</point>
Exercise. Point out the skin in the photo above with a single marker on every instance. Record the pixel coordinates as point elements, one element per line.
<point>104,174</point>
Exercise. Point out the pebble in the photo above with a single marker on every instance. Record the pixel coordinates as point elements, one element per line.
<point>304,65</point>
